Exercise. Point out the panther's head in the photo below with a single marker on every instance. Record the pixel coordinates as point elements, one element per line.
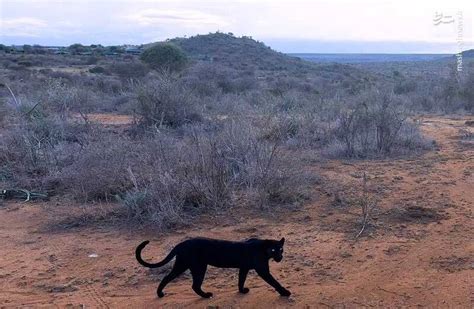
<point>274,249</point>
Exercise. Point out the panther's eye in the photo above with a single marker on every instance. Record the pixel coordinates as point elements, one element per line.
<point>281,249</point>
<point>273,250</point>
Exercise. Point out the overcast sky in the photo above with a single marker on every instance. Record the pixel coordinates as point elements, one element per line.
<point>403,26</point>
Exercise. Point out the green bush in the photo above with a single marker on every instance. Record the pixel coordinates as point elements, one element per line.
<point>165,56</point>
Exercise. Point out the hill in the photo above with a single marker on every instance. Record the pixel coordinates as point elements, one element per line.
<point>249,55</point>
<point>245,53</point>
<point>239,53</point>
<point>468,53</point>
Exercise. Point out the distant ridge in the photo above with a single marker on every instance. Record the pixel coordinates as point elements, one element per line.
<point>366,58</point>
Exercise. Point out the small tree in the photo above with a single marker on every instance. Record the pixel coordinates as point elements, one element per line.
<point>77,48</point>
<point>27,49</point>
<point>367,204</point>
<point>165,56</point>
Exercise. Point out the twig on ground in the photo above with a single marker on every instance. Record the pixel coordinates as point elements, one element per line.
<point>366,206</point>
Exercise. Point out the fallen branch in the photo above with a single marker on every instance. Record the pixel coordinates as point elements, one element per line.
<point>22,194</point>
<point>32,109</point>
<point>398,294</point>
<point>12,94</point>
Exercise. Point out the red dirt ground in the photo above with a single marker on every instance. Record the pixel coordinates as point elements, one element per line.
<point>419,251</point>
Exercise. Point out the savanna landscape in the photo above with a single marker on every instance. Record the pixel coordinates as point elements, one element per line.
<point>366,169</point>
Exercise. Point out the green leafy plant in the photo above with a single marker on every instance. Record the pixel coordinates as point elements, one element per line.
<point>164,56</point>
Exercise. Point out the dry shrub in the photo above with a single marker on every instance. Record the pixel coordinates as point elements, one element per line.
<point>99,172</point>
<point>208,171</point>
<point>377,125</point>
<point>162,101</point>
<point>38,145</point>
<point>165,178</point>
<point>211,78</point>
<point>129,70</point>
<point>61,98</point>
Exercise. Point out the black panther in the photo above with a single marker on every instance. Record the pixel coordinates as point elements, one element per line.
<point>197,253</point>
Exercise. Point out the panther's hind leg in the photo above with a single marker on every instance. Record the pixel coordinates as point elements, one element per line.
<point>198,272</point>
<point>178,268</point>
<point>242,276</point>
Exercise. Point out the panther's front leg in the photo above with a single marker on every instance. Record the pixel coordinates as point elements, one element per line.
<point>265,275</point>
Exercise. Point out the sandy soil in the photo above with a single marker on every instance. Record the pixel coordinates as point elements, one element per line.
<point>418,251</point>
<point>106,119</point>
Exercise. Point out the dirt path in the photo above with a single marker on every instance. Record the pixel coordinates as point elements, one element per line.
<point>418,252</point>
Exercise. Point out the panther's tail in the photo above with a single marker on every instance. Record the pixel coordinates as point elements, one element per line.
<point>138,252</point>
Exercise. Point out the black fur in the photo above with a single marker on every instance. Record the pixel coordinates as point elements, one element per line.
<point>197,253</point>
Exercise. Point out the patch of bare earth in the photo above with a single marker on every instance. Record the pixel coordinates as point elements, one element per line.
<point>417,250</point>
<point>106,119</point>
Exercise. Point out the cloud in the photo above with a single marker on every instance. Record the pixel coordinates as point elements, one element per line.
<point>22,27</point>
<point>63,22</point>
<point>150,17</point>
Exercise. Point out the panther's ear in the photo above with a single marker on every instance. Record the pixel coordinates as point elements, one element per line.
<point>282,241</point>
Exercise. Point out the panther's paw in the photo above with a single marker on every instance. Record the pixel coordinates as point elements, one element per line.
<point>285,293</point>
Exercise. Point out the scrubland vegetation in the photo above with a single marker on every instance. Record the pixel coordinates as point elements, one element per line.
<point>230,123</point>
